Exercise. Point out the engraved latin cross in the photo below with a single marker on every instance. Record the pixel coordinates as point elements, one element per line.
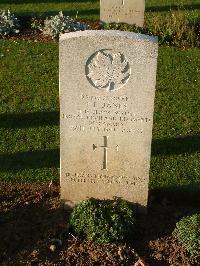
<point>105,148</point>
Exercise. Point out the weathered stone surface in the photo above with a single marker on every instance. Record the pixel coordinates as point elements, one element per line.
<point>126,11</point>
<point>107,87</point>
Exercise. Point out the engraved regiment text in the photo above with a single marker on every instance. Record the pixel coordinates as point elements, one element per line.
<point>106,114</point>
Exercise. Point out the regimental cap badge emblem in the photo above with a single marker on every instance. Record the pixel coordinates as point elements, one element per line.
<point>108,70</point>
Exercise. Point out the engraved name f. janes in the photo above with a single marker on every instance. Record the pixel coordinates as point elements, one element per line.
<point>105,148</point>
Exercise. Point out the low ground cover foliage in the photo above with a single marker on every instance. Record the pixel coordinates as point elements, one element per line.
<point>174,29</point>
<point>8,23</point>
<point>55,25</point>
<point>104,221</point>
<point>187,232</point>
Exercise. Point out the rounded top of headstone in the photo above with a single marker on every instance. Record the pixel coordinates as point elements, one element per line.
<point>109,33</point>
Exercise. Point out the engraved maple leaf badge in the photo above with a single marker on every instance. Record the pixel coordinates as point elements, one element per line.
<point>108,71</point>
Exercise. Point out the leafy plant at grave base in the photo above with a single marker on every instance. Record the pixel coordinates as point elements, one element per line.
<point>187,232</point>
<point>172,29</point>
<point>8,23</point>
<point>55,25</point>
<point>104,221</point>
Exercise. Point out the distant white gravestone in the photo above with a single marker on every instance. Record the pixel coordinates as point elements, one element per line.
<point>107,87</point>
<point>124,11</point>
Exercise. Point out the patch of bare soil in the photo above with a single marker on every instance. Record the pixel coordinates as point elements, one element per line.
<point>30,35</point>
<point>34,231</point>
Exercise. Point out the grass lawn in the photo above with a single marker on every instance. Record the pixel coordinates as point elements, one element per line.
<point>90,9</point>
<point>29,79</point>
<point>176,140</point>
<point>29,116</point>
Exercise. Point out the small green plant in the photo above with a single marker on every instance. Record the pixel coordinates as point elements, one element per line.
<point>37,23</point>
<point>55,25</point>
<point>104,221</point>
<point>8,23</point>
<point>187,232</point>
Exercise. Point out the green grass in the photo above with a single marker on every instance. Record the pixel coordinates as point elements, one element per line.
<point>86,9</point>
<point>90,9</point>
<point>176,141</point>
<point>29,85</point>
<point>191,8</point>
<point>29,111</point>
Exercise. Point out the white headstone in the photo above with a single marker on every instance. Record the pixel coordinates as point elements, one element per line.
<point>107,87</point>
<point>124,11</point>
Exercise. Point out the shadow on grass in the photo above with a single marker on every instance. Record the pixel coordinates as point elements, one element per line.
<point>150,8</point>
<point>50,158</point>
<point>70,12</point>
<point>181,145</point>
<point>172,7</point>
<point>46,1</point>
<point>179,194</point>
<point>30,160</point>
<point>29,119</point>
